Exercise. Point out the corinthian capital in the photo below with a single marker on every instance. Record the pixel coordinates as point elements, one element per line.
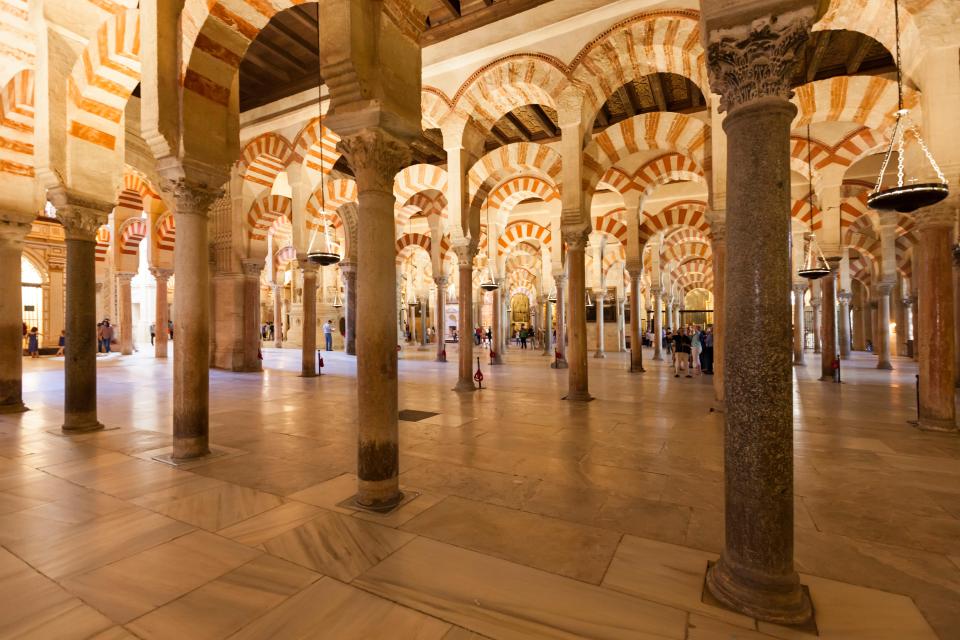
<point>191,198</point>
<point>749,62</point>
<point>576,238</point>
<point>465,254</point>
<point>375,157</point>
<point>13,232</point>
<point>80,214</point>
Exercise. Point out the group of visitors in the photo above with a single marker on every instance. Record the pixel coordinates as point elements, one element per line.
<point>692,349</point>
<point>483,337</point>
<point>267,331</point>
<point>524,334</point>
<point>153,331</point>
<point>105,335</point>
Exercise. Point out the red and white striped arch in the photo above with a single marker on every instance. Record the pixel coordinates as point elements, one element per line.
<point>103,243</point>
<point>166,232</point>
<point>416,178</point>
<point>611,225</point>
<point>510,193</point>
<point>264,158</point>
<point>264,212</point>
<point>103,78</point>
<point>410,242</point>
<point>132,232</point>
<point>666,168</point>
<point>684,213</point>
<point>810,216</point>
<point>867,100</point>
<point>336,193</point>
<point>852,209</point>
<point>16,125</point>
<point>283,257</point>
<point>507,161</point>
<point>316,147</point>
<point>522,231</point>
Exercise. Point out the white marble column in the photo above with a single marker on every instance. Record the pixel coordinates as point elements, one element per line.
<point>125,300</point>
<point>599,297</point>
<point>162,315</point>
<point>277,315</point>
<point>12,233</point>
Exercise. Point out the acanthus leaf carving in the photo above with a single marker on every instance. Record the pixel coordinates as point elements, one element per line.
<point>375,157</point>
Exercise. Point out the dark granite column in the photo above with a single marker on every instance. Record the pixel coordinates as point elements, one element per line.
<point>375,157</point>
<point>578,381</point>
<point>12,233</point>
<point>718,242</point>
<point>636,340</point>
<point>799,333</point>
<point>751,68</point>
<point>81,217</point>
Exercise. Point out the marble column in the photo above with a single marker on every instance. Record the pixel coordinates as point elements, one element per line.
<point>162,314</point>
<point>577,378</point>
<point>828,321</point>
<point>718,243</point>
<point>191,309</point>
<point>12,234</point>
<point>466,315</point>
<point>81,218</point>
<point>439,316</point>
<point>308,359</point>
<point>956,316</point>
<point>751,68</point>
<point>658,323</point>
<point>883,337</point>
<point>496,348</point>
<point>348,272</point>
<point>560,360</point>
<point>670,322</point>
<point>376,156</point>
<point>936,330</point>
<point>599,297</point>
<point>251,314</point>
<point>844,298</point>
<point>909,335</point>
<point>815,305</point>
<point>799,290</point>
<point>548,345</point>
<point>621,325</point>
<point>125,300</point>
<point>277,315</point>
<point>636,339</point>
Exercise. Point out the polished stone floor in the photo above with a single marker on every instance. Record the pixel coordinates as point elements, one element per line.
<point>532,517</point>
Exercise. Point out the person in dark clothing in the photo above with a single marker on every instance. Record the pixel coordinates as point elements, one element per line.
<point>707,357</point>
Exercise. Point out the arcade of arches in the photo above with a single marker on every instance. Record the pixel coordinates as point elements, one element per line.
<point>233,183</point>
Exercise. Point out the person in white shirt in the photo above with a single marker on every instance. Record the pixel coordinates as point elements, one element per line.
<point>328,335</point>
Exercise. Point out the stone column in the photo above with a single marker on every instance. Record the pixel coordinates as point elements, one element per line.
<point>376,157</point>
<point>670,323</point>
<point>636,340</point>
<point>81,217</point>
<point>599,297</point>
<point>956,317</point>
<point>548,345</point>
<point>251,314</point>
<point>751,68</point>
<point>560,361</point>
<point>815,305</point>
<point>621,325</point>
<point>465,317</point>
<point>439,316</point>
<point>908,333</point>
<point>828,322</point>
<point>191,310</point>
<point>844,298</point>
<point>883,337</point>
<point>277,315</point>
<point>578,381</point>
<point>658,323</point>
<point>497,346</point>
<point>162,316</point>
<point>125,300</point>
<point>348,271</point>
<point>12,234</point>
<point>718,243</point>
<point>799,290</point>
<point>308,360</point>
<point>936,335</point>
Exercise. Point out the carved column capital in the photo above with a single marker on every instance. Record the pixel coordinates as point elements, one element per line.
<point>746,63</point>
<point>13,232</point>
<point>883,288</point>
<point>307,268</point>
<point>124,277</point>
<point>560,279</point>
<point>375,157</point>
<point>844,297</point>
<point>576,239</point>
<point>441,281</point>
<point>190,198</point>
<point>80,214</point>
<point>251,267</point>
<point>465,254</point>
<point>160,274</point>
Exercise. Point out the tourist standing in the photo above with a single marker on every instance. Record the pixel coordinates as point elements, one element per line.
<point>696,347</point>
<point>106,333</point>
<point>328,335</point>
<point>33,343</point>
<point>62,343</point>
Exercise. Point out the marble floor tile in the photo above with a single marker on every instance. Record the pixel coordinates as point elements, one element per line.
<point>405,512</point>
<point>135,585</point>
<point>224,605</point>
<point>561,547</point>
<point>508,601</point>
<point>330,609</point>
<point>337,545</point>
<point>219,507</point>
<point>264,473</point>
<point>701,627</point>
<point>329,494</point>
<point>270,524</point>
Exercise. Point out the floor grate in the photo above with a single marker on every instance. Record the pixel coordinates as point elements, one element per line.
<point>412,415</point>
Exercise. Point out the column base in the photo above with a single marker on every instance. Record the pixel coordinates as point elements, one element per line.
<point>658,357</point>
<point>559,364</point>
<point>190,448</point>
<point>17,407</point>
<point>463,386</point>
<point>578,396</point>
<point>799,363</point>
<point>884,365</point>
<point>311,374</point>
<point>377,506</point>
<point>778,600</point>
<point>719,406</point>
<point>599,354</point>
<point>441,359</point>
<point>81,427</point>
<point>938,425</point>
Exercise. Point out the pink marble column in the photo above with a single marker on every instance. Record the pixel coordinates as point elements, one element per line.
<point>465,324</point>
<point>498,340</point>
<point>578,378</point>
<point>162,316</point>
<point>278,316</point>
<point>12,233</point>
<point>125,299</point>
<point>439,315</point>
<point>375,157</point>
<point>751,67</point>
<point>936,306</point>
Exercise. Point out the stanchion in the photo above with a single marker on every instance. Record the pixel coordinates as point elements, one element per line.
<point>478,376</point>
<point>319,362</point>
